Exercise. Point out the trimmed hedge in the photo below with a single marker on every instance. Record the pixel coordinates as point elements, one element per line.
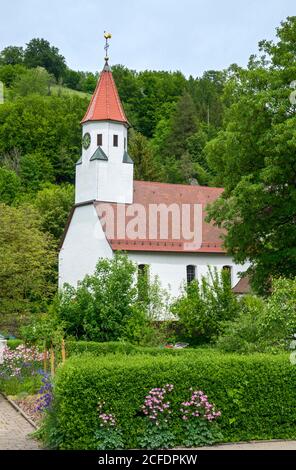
<point>14,343</point>
<point>256,394</point>
<point>115,347</point>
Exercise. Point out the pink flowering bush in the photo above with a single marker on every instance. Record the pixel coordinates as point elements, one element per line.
<point>19,362</point>
<point>157,409</point>
<point>108,435</point>
<point>199,415</point>
<point>197,420</point>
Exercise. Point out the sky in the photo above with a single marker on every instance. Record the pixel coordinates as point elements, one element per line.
<point>187,35</point>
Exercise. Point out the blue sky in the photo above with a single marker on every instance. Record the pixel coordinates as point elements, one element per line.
<point>188,35</point>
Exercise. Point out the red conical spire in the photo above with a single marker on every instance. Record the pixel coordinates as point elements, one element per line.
<point>105,104</point>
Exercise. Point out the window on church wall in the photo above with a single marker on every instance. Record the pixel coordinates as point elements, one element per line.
<point>228,271</point>
<point>99,140</point>
<point>190,273</point>
<point>125,143</point>
<point>143,279</point>
<point>115,140</point>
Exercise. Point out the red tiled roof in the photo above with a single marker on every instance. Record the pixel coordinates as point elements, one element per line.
<point>243,286</point>
<point>105,104</point>
<point>146,193</point>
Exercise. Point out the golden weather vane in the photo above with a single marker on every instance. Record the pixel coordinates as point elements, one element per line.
<point>107,36</point>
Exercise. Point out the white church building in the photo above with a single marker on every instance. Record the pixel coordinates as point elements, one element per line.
<point>161,226</point>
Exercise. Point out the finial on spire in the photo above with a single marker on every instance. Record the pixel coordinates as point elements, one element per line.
<point>107,36</point>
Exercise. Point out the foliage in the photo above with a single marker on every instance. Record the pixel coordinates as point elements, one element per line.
<point>44,400</point>
<point>46,125</point>
<point>12,55</point>
<point>43,330</point>
<point>248,390</point>
<point>115,347</point>
<point>243,334</point>
<point>157,433</point>
<point>263,325</point>
<point>254,158</point>
<point>10,186</point>
<point>205,305</point>
<point>15,360</point>
<point>26,261</point>
<point>36,80</point>
<point>54,203</point>
<point>108,435</point>
<point>146,166</point>
<point>35,170</point>
<point>198,416</point>
<point>278,323</point>
<point>105,306</point>
<point>39,52</point>
<point>10,73</point>
<point>19,370</point>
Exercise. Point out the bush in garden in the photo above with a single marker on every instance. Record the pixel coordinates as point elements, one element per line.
<point>106,306</point>
<point>44,400</point>
<point>199,416</point>
<point>19,362</point>
<point>255,393</point>
<point>244,333</point>
<point>108,435</point>
<point>278,322</point>
<point>157,411</point>
<point>205,305</point>
<point>263,325</point>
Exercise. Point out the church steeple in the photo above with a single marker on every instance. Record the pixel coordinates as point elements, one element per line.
<point>105,171</point>
<point>105,104</point>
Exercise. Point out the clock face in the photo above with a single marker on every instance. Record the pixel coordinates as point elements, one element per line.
<point>86,140</point>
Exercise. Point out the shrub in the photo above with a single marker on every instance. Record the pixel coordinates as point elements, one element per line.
<point>278,322</point>
<point>205,305</point>
<point>107,306</point>
<point>243,334</point>
<point>256,394</point>
<point>263,325</point>
<point>115,347</point>
<point>19,370</point>
<point>14,343</point>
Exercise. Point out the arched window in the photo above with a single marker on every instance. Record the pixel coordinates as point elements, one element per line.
<point>143,278</point>
<point>190,273</point>
<point>227,270</point>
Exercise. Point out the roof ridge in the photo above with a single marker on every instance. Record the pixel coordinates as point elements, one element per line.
<point>179,184</point>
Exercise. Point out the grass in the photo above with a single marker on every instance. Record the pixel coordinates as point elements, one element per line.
<point>62,90</point>
<point>15,386</point>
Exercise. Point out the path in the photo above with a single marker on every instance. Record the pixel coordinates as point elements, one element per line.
<point>14,429</point>
<point>255,445</point>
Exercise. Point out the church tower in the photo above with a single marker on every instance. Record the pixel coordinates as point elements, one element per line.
<point>105,170</point>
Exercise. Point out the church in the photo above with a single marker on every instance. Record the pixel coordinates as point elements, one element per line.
<point>160,226</point>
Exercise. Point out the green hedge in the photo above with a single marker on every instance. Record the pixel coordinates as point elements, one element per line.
<point>14,343</point>
<point>115,347</point>
<point>256,394</point>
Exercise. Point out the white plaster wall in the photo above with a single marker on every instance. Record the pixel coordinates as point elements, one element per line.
<point>110,180</point>
<point>171,267</point>
<point>107,129</point>
<point>84,244</point>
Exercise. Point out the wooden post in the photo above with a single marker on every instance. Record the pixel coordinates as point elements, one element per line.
<point>63,351</point>
<point>44,358</point>
<point>51,360</point>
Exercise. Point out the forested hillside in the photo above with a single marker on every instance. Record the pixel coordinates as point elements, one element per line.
<point>234,128</point>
